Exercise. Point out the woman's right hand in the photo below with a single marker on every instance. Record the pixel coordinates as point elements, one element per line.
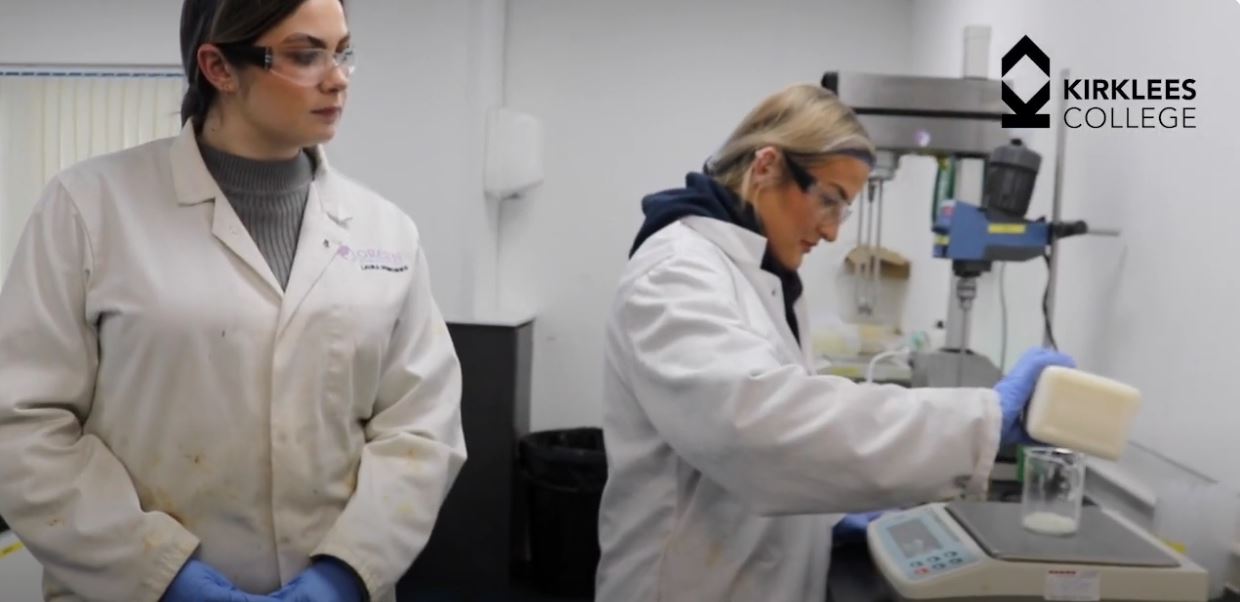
<point>198,582</point>
<point>1016,389</point>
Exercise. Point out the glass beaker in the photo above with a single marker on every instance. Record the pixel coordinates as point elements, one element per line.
<point>1053,489</point>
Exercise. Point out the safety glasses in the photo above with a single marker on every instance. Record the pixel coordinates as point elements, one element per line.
<point>830,207</point>
<point>302,66</point>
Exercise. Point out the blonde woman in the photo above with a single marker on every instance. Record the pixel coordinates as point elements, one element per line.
<point>731,460</point>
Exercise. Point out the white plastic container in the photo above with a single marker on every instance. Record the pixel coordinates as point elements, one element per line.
<point>1082,411</point>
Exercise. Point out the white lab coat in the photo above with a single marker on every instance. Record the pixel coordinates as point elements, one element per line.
<point>160,393</point>
<point>729,458</point>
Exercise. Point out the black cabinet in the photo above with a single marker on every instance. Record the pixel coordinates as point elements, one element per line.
<point>471,549</point>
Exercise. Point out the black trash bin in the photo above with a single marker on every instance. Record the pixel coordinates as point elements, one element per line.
<point>564,473</point>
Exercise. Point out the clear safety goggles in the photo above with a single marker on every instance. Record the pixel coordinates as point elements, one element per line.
<point>302,66</point>
<point>830,208</point>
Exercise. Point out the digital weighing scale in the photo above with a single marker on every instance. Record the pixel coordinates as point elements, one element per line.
<point>978,551</point>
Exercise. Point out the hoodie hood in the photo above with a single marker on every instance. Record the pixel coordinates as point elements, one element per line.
<point>703,196</point>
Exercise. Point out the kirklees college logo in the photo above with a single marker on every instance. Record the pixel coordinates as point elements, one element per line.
<point>1096,103</point>
<point>1027,113</point>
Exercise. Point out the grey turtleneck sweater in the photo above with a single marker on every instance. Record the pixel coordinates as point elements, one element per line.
<point>269,197</point>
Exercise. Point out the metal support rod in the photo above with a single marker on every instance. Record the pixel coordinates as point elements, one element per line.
<point>859,291</point>
<point>966,292</point>
<point>955,322</point>
<point>875,252</point>
<point>869,239</point>
<point>1102,232</point>
<point>964,350</point>
<point>865,301</point>
<point>869,249</point>
<point>1056,209</point>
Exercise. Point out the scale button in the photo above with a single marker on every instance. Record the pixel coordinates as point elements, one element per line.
<point>952,554</point>
<point>939,567</point>
<point>917,565</point>
<point>957,561</point>
<point>923,571</point>
<point>933,559</point>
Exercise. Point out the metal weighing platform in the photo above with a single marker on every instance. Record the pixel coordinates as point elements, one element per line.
<point>979,551</point>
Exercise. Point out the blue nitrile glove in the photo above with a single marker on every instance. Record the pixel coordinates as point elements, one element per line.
<point>1016,389</point>
<point>198,582</point>
<point>852,528</point>
<point>327,580</point>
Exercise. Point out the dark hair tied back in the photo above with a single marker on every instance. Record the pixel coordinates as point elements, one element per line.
<point>221,22</point>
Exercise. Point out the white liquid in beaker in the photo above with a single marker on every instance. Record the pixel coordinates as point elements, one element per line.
<point>1049,523</point>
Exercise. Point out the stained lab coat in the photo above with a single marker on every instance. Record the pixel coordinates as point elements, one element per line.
<point>160,394</point>
<point>730,460</point>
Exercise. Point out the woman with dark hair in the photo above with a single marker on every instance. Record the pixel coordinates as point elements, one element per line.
<point>223,376</point>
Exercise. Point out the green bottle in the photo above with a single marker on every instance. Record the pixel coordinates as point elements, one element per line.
<point>944,185</point>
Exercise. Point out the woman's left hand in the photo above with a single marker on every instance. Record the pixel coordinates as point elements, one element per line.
<point>327,580</point>
<point>852,528</point>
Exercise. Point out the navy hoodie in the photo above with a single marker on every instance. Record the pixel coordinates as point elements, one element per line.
<point>705,197</point>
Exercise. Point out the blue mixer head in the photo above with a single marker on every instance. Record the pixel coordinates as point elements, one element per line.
<point>975,237</point>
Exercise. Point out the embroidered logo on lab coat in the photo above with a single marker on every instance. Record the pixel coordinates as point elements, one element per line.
<point>373,259</point>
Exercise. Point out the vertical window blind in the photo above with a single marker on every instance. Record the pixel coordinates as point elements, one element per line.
<point>53,118</point>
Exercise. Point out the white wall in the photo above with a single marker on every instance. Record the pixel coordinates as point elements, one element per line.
<point>413,131</point>
<point>633,95</point>
<point>90,32</point>
<point>1155,308</point>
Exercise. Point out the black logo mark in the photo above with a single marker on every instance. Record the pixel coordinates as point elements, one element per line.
<point>1026,113</point>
